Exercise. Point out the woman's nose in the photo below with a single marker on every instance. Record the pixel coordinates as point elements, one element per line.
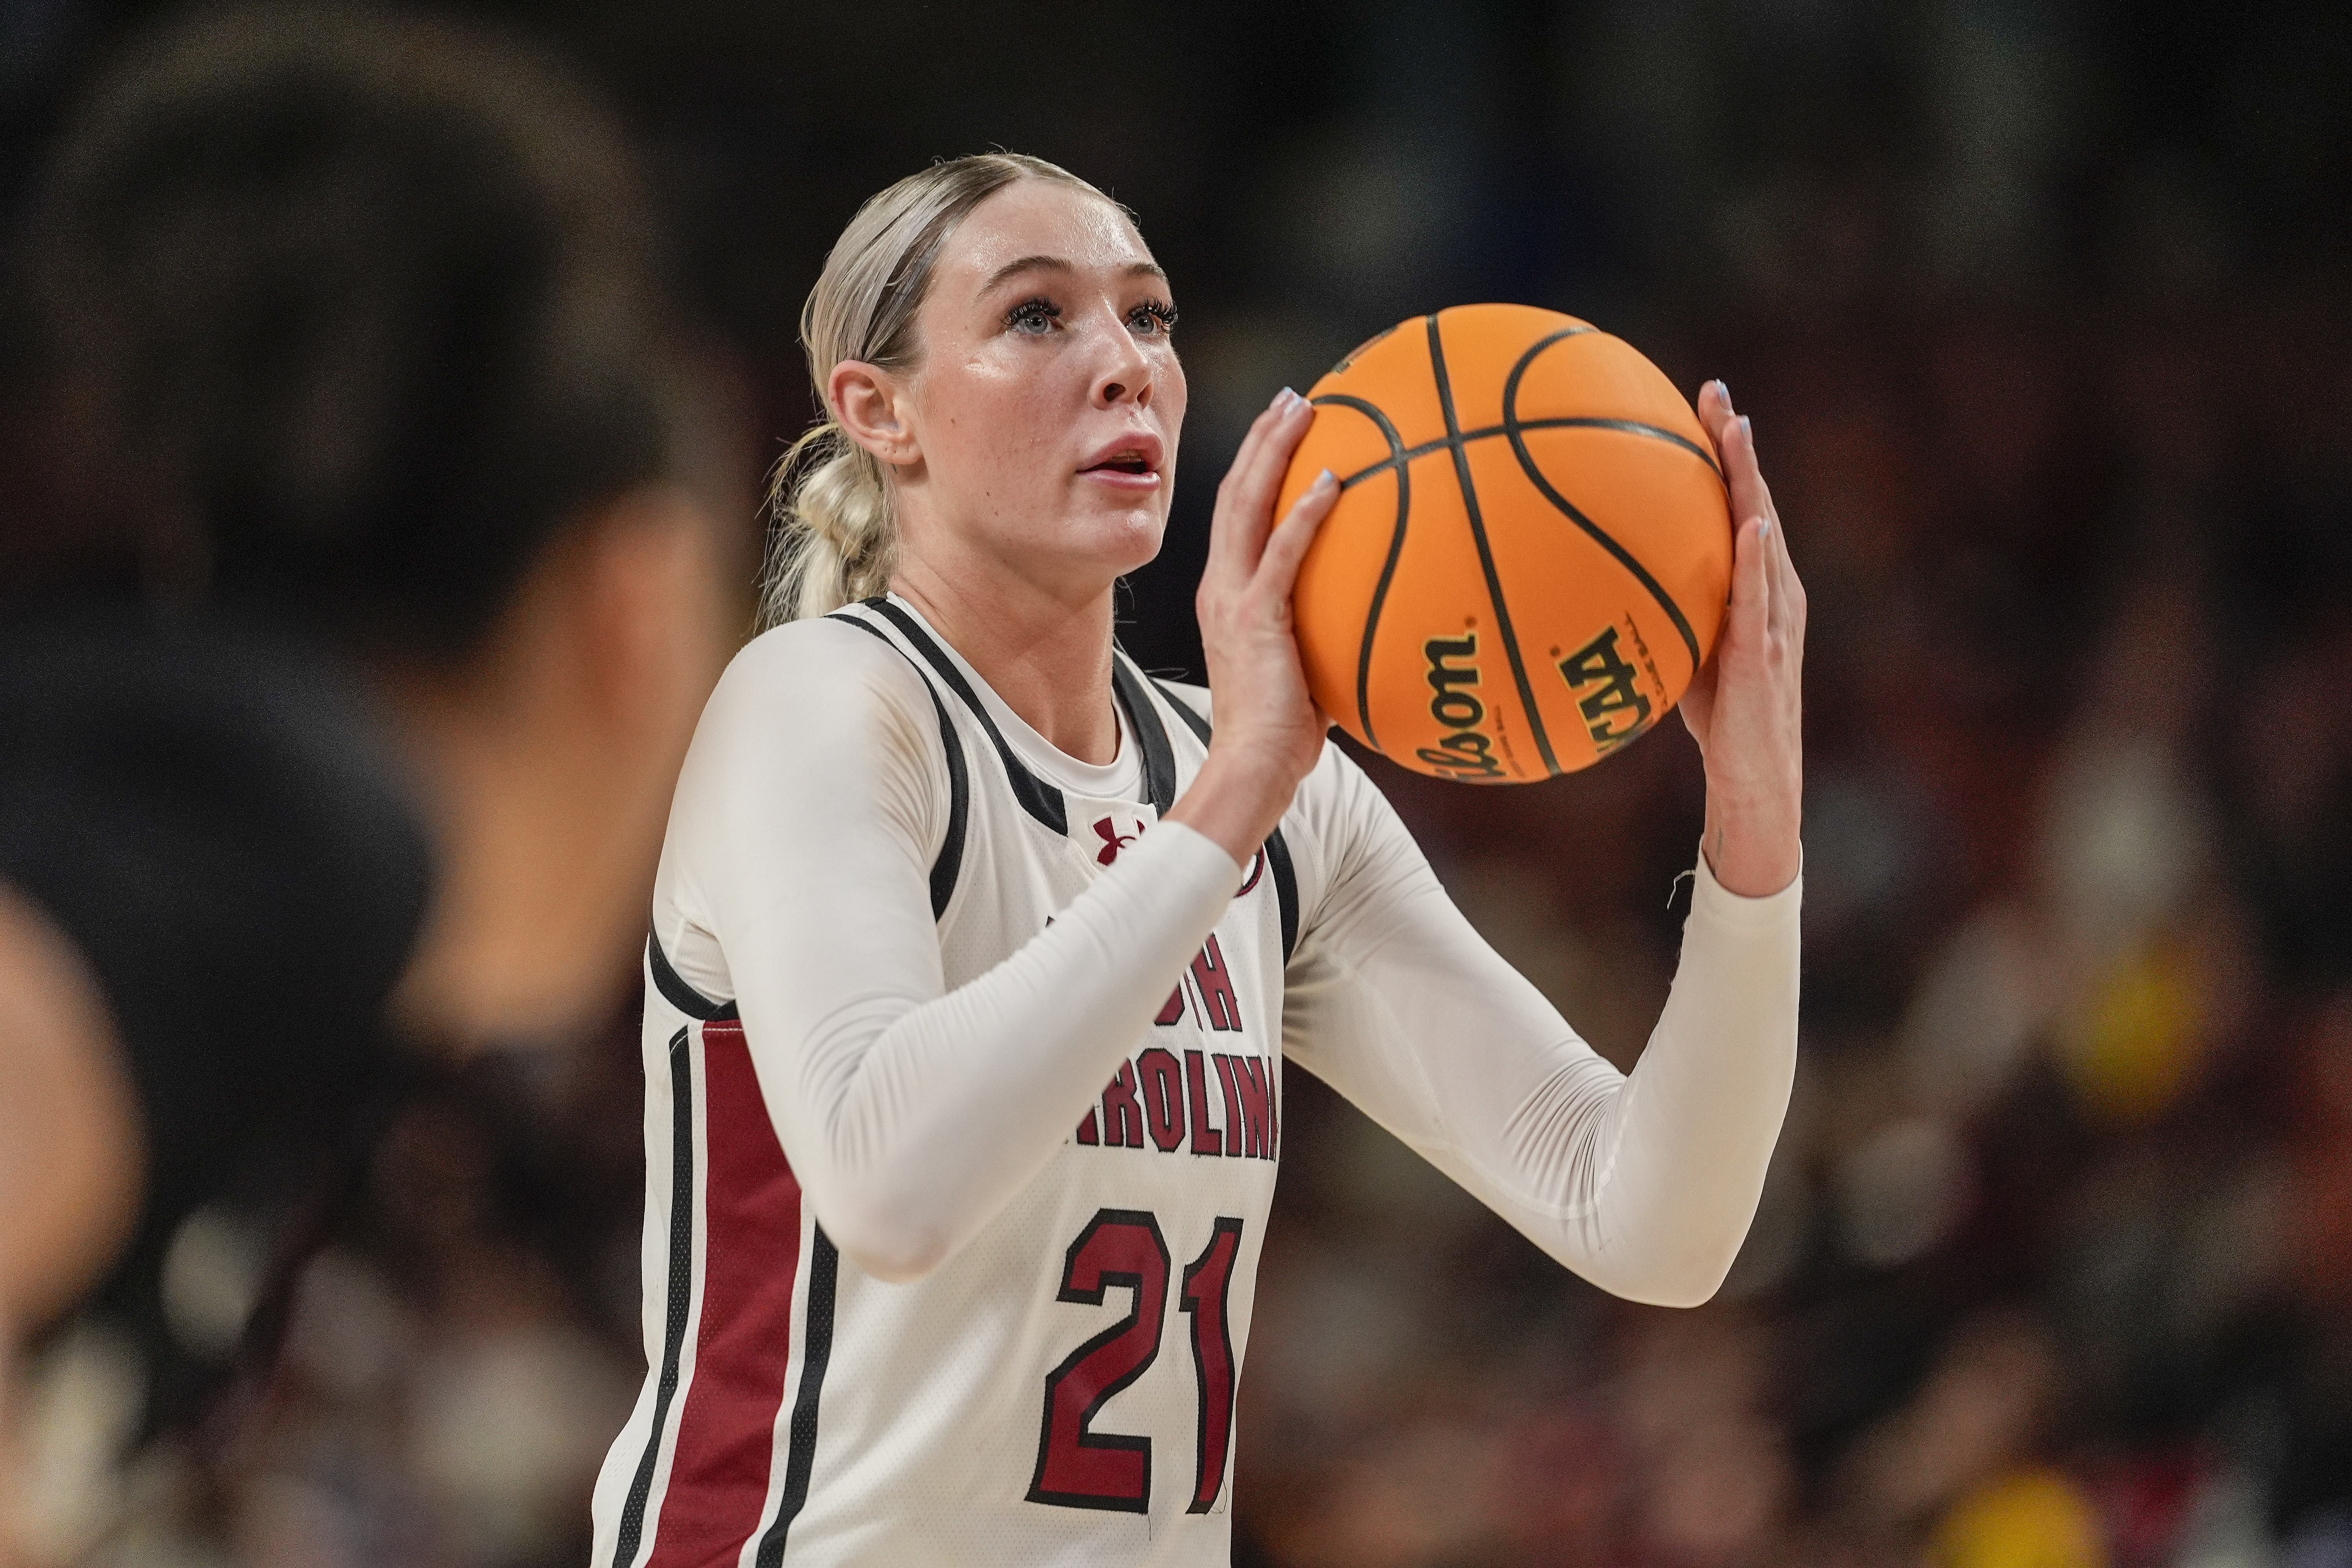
<point>1125,374</point>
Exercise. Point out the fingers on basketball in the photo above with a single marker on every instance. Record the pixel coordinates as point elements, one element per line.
<point>1295,535</point>
<point>1257,469</point>
<point>1232,537</point>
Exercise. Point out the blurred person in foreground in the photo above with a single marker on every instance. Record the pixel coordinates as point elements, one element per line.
<point>361,329</point>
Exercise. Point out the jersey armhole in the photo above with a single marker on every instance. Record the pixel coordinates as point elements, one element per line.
<point>675,990</point>
<point>949,863</point>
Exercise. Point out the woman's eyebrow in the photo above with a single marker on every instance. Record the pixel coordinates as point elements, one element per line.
<point>1062,264</point>
<point>1027,264</point>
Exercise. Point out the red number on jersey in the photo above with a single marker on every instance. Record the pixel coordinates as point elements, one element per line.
<point>1077,1467</point>
<point>1208,1286</point>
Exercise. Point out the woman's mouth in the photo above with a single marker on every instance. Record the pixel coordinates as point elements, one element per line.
<point>1129,466</point>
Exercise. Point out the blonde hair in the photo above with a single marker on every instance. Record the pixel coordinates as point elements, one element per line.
<point>832,535</point>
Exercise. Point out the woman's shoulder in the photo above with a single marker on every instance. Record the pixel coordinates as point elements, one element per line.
<point>818,647</point>
<point>809,719</point>
<point>823,666</point>
<point>820,699</point>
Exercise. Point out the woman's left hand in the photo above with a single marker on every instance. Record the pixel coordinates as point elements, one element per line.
<point>1746,709</point>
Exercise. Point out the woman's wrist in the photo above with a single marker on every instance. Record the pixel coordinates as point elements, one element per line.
<point>1235,800</point>
<point>1752,853</point>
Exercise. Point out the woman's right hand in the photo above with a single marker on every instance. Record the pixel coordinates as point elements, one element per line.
<point>1268,733</point>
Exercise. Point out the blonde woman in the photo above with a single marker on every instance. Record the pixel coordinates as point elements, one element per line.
<point>978,955</point>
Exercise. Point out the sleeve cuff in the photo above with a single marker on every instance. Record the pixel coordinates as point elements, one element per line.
<point>1718,903</point>
<point>1186,861</point>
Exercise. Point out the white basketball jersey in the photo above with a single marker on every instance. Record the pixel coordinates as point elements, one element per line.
<point>1060,1389</point>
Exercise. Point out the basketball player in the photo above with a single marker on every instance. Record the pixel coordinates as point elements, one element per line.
<point>977,954</point>
<point>368,316</point>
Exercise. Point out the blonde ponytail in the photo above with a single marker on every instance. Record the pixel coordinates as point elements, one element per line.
<point>834,540</point>
<point>833,532</point>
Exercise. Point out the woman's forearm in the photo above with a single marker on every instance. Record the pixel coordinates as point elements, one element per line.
<point>911,1122</point>
<point>1644,1184</point>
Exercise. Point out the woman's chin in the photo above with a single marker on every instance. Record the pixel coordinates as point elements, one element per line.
<point>1117,540</point>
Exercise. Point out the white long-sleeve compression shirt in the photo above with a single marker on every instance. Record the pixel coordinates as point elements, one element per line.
<point>793,881</point>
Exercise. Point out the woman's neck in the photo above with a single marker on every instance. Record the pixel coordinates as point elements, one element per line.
<point>1048,656</point>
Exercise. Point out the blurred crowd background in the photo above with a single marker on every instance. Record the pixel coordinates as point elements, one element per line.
<point>2041,313</point>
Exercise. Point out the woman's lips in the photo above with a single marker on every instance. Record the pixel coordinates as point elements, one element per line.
<point>1129,461</point>
<point>1123,479</point>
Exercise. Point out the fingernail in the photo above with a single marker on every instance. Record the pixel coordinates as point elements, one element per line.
<point>1748,426</point>
<point>1723,389</point>
<point>1326,480</point>
<point>1764,531</point>
<point>1282,399</point>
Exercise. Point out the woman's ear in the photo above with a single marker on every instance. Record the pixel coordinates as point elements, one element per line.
<point>868,403</point>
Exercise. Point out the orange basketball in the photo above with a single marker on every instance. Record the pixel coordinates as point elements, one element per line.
<point>1531,551</point>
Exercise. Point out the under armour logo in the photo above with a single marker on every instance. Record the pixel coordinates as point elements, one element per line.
<point>1113,840</point>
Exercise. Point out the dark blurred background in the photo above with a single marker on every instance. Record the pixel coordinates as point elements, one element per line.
<point>2042,314</point>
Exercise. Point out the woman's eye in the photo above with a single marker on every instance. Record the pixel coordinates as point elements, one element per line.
<point>1034,317</point>
<point>1153,319</point>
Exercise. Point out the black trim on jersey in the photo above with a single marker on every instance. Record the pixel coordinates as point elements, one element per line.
<point>1150,735</point>
<point>1285,890</point>
<point>681,1287</point>
<point>678,992</point>
<point>1038,798</point>
<point>1184,710</point>
<point>951,857</point>
<point>1277,853</point>
<point>824,1274</point>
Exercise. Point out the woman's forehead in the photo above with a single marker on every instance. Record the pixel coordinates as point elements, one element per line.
<point>1034,219</point>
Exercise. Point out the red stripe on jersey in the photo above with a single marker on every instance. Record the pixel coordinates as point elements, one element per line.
<point>751,1218</point>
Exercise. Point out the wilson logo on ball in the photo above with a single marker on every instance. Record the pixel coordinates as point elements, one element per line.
<point>1465,752</point>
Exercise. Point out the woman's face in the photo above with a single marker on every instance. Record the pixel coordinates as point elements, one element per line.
<point>1048,401</point>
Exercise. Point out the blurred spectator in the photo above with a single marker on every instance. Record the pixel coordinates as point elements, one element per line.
<point>365,356</point>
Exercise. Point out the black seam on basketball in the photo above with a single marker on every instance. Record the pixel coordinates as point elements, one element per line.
<point>1600,535</point>
<point>1365,347</point>
<point>950,861</point>
<point>1485,433</point>
<point>1485,555</point>
<point>1037,797</point>
<point>1396,549</point>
